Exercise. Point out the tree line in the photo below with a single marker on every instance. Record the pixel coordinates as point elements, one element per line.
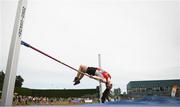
<point>18,83</point>
<point>64,93</point>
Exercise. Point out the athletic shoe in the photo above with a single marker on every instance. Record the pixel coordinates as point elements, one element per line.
<point>77,82</point>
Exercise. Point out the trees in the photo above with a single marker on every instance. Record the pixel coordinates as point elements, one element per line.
<point>18,83</point>
<point>1,79</point>
<point>2,76</point>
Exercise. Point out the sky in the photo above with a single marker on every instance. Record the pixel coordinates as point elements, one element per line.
<point>137,40</point>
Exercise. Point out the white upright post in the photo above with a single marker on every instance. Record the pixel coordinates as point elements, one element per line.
<point>11,68</point>
<point>100,84</point>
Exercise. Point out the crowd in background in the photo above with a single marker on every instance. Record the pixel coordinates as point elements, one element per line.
<point>29,100</point>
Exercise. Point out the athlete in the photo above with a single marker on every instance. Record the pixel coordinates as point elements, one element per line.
<point>98,74</point>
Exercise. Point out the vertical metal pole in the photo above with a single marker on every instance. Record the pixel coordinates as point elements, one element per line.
<point>11,68</point>
<point>100,84</point>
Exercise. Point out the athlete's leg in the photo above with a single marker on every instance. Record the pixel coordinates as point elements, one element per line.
<point>82,69</point>
<point>79,75</point>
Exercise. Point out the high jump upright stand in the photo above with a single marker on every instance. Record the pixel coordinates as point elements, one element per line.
<point>11,68</point>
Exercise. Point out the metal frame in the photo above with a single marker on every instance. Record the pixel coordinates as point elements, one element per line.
<point>100,83</point>
<point>11,68</point>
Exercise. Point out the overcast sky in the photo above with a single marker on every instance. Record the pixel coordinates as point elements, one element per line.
<point>137,40</point>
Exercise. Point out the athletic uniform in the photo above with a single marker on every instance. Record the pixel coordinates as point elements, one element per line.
<point>98,72</point>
